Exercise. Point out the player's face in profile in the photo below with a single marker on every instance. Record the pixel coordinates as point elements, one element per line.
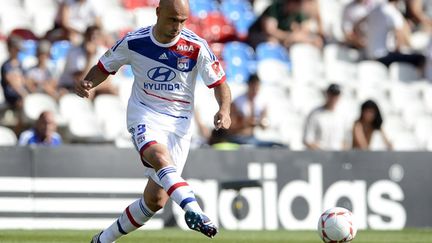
<point>171,20</point>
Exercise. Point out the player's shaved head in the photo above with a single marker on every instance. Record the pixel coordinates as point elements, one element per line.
<point>172,14</point>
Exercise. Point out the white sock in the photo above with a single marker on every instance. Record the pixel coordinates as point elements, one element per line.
<point>134,216</point>
<point>178,189</point>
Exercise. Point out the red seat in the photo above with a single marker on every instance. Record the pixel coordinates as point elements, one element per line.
<point>25,34</point>
<point>133,4</point>
<point>216,28</point>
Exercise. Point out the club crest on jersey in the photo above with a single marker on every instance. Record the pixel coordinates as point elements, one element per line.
<point>183,63</point>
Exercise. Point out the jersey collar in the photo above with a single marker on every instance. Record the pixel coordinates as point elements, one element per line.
<point>162,44</point>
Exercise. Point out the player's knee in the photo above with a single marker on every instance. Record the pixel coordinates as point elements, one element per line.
<point>155,203</point>
<point>160,159</point>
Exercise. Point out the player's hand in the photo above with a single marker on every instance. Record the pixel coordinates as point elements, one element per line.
<point>222,120</point>
<point>83,87</point>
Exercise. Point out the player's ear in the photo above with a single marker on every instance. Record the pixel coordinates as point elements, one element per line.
<point>157,11</point>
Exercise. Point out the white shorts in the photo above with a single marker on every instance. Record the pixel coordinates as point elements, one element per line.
<point>145,135</point>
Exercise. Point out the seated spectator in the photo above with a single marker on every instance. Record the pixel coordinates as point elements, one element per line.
<point>370,120</point>
<point>40,78</point>
<point>352,14</point>
<point>44,132</point>
<point>384,20</point>
<point>81,58</point>
<point>416,14</point>
<point>12,75</point>
<point>73,18</point>
<point>324,129</point>
<point>249,111</point>
<point>219,140</point>
<point>283,22</point>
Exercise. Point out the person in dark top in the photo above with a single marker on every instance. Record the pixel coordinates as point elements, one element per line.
<point>284,22</point>
<point>12,75</point>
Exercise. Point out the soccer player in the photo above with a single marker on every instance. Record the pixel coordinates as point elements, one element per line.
<point>165,59</point>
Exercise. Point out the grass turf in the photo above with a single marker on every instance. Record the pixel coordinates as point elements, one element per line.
<point>178,236</point>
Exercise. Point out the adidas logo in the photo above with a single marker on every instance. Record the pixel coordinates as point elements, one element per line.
<point>163,56</point>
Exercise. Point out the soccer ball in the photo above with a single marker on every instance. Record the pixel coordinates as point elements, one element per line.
<point>336,225</point>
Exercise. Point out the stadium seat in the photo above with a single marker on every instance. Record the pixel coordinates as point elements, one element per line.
<point>107,105</point>
<point>144,16</point>
<point>3,51</point>
<point>372,72</point>
<point>419,41</point>
<point>116,19</point>
<point>217,28</point>
<point>35,104</point>
<point>59,52</point>
<point>306,62</point>
<point>240,61</point>
<point>393,125</point>
<point>403,72</point>
<point>13,18</point>
<point>7,137</point>
<point>272,71</point>
<point>115,126</point>
<point>134,4</point>
<point>339,63</point>
<point>304,98</point>
<point>71,105</point>
<point>404,96</point>
<point>423,130</point>
<point>85,128</point>
<point>27,54</point>
<point>271,50</point>
<point>43,20</point>
<point>405,141</point>
<point>240,13</point>
<point>201,8</point>
<point>259,6</point>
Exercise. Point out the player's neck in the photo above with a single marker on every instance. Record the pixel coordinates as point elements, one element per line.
<point>160,37</point>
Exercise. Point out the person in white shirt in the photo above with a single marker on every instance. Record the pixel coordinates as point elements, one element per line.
<point>325,127</point>
<point>386,36</point>
<point>249,111</point>
<point>166,60</point>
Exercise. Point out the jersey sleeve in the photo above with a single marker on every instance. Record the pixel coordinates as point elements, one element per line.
<point>115,57</point>
<point>210,68</point>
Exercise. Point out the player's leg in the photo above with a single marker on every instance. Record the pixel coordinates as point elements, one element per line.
<point>136,214</point>
<point>169,177</point>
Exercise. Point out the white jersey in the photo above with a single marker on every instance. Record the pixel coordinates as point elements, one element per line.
<point>165,76</point>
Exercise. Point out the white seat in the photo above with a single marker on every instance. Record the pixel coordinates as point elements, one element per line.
<point>3,51</point>
<point>306,62</point>
<point>85,128</point>
<point>114,126</point>
<point>35,104</point>
<point>394,124</point>
<point>71,105</point>
<point>427,98</point>
<point>43,20</point>
<point>107,105</point>
<point>116,19</point>
<point>305,98</point>
<point>144,17</point>
<point>404,96</point>
<point>404,72</point>
<point>405,141</point>
<point>372,72</point>
<point>13,18</point>
<point>272,71</point>
<point>419,40</point>
<point>423,130</point>
<point>7,137</point>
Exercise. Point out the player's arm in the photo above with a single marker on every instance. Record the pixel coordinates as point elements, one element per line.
<point>93,78</point>
<point>222,118</point>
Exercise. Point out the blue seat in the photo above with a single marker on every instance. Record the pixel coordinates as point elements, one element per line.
<point>240,61</point>
<point>29,48</point>
<point>241,14</point>
<point>200,8</point>
<point>268,50</point>
<point>59,50</point>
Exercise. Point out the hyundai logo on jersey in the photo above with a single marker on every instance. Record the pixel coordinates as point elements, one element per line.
<point>183,63</point>
<point>161,74</point>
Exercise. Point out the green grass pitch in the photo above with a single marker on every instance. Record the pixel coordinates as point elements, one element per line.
<point>179,236</point>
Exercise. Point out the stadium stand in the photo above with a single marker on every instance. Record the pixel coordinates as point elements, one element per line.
<point>294,78</point>
<point>7,137</point>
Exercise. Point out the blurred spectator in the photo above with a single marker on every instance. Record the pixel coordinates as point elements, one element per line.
<point>81,58</point>
<point>352,14</point>
<point>429,61</point>
<point>416,14</point>
<point>324,129</point>
<point>248,112</point>
<point>312,10</point>
<point>73,18</point>
<point>370,120</point>
<point>12,75</point>
<point>283,22</point>
<point>40,78</point>
<point>219,140</point>
<point>44,132</point>
<point>384,20</point>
